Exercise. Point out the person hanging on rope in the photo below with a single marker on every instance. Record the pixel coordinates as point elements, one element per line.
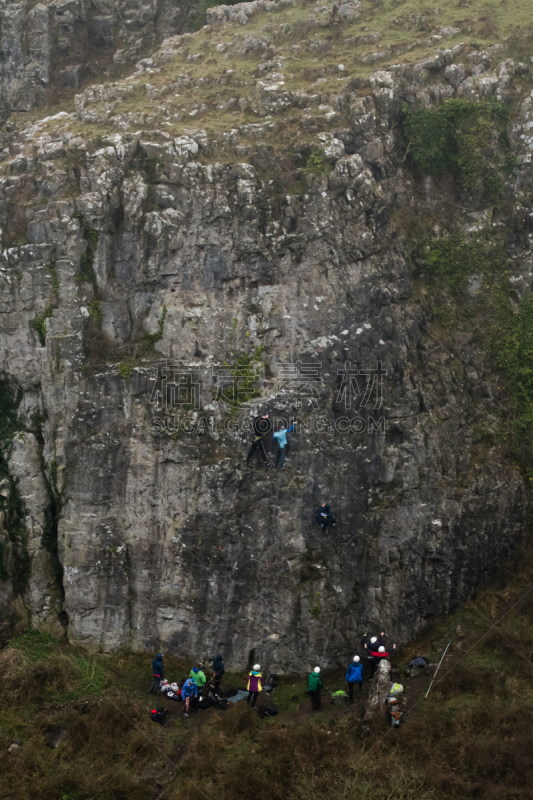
<point>280,438</point>
<point>261,426</point>
<point>324,517</point>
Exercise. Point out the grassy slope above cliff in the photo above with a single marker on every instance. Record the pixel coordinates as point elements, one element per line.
<point>471,738</point>
<point>309,52</point>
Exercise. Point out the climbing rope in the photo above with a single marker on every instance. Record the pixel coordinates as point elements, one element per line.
<point>330,628</point>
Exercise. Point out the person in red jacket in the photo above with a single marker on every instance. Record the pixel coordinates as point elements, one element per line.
<point>378,657</point>
<point>254,683</point>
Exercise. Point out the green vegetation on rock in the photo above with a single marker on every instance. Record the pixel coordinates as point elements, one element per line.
<point>467,139</point>
<point>91,236</point>
<point>38,324</point>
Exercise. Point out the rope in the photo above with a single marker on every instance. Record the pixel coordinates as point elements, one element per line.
<point>330,628</point>
<point>440,662</point>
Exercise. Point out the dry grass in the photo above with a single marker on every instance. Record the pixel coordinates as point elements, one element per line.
<point>472,738</point>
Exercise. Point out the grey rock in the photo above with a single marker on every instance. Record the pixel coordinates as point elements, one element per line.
<point>55,736</point>
<point>379,690</point>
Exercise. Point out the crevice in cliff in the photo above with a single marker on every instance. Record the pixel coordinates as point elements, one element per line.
<point>52,515</point>
<point>15,560</point>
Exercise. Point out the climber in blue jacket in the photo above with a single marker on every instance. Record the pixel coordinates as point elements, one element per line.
<point>280,437</point>
<point>190,689</point>
<point>354,674</point>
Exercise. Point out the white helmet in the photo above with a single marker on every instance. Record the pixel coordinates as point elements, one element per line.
<point>373,640</point>
<point>356,658</point>
<point>381,649</point>
<point>174,687</point>
<point>256,667</point>
<point>317,670</point>
<point>170,694</point>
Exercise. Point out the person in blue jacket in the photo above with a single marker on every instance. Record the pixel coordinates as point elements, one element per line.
<point>354,674</point>
<point>280,437</point>
<point>189,690</point>
<point>157,673</point>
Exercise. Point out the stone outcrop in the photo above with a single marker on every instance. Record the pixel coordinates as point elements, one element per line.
<point>57,43</point>
<point>170,284</point>
<point>379,691</point>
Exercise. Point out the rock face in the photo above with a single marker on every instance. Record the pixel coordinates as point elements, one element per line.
<point>379,691</point>
<point>168,289</point>
<point>55,43</point>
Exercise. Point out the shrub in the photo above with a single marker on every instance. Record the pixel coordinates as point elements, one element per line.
<point>454,138</point>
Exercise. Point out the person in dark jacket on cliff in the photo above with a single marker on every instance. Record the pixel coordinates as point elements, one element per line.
<point>262,425</point>
<point>324,517</point>
<point>354,675</point>
<point>218,672</point>
<point>157,673</point>
<point>315,686</point>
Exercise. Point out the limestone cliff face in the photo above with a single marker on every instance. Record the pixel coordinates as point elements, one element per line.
<point>56,44</point>
<point>172,286</point>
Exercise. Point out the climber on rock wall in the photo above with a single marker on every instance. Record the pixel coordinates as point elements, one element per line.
<point>324,517</point>
<point>280,437</point>
<point>261,425</point>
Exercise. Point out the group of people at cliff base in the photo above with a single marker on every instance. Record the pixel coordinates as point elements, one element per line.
<point>195,691</point>
<point>376,651</point>
<point>262,426</point>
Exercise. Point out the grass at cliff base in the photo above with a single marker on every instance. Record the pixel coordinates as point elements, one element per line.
<point>471,738</point>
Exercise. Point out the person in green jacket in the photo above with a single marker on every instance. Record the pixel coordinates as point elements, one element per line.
<point>315,686</point>
<point>199,676</point>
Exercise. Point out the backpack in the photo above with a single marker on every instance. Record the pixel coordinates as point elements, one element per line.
<point>222,705</point>
<point>267,711</point>
<point>159,715</point>
<point>271,683</point>
<point>204,702</point>
<point>338,697</point>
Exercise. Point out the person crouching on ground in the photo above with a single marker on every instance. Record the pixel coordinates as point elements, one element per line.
<point>157,673</point>
<point>189,690</point>
<point>254,683</point>
<point>354,675</point>
<point>315,686</point>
